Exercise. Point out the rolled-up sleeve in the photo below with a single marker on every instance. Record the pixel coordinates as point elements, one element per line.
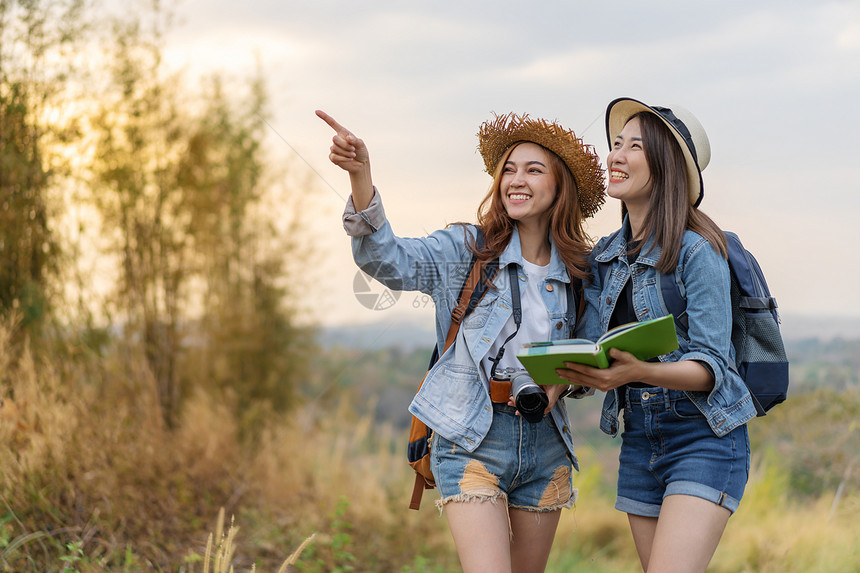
<point>366,222</point>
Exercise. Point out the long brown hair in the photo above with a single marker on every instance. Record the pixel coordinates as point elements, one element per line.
<point>565,223</point>
<point>669,211</point>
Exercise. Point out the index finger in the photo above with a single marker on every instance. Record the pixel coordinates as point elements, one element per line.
<point>331,122</point>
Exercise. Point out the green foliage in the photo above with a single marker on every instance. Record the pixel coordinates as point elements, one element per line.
<point>425,565</point>
<point>74,554</point>
<point>341,539</point>
<point>585,562</point>
<point>332,555</point>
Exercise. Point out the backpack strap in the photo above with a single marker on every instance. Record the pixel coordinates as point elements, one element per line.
<point>471,293</point>
<point>575,303</point>
<point>675,298</point>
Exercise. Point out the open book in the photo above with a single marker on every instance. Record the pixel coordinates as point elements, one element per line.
<point>644,340</point>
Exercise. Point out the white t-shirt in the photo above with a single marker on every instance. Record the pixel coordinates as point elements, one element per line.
<point>535,323</point>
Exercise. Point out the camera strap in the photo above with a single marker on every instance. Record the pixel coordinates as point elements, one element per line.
<point>574,309</point>
<point>514,279</point>
<point>517,307</point>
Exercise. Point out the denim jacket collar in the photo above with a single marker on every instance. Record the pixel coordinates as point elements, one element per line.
<point>513,254</point>
<point>617,247</point>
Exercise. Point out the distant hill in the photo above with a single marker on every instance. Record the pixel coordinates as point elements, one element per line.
<point>383,362</point>
<point>800,327</point>
<point>404,334</point>
<point>409,335</point>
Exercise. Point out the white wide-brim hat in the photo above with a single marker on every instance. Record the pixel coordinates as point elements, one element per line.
<point>685,127</point>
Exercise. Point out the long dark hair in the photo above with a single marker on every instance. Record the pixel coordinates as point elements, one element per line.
<point>669,211</point>
<point>565,223</point>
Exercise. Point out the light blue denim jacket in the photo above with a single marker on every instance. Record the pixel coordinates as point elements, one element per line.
<point>704,276</point>
<point>454,399</point>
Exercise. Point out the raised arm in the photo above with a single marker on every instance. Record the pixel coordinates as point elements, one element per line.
<point>350,154</point>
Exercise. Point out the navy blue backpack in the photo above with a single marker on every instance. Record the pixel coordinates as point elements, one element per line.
<point>760,356</point>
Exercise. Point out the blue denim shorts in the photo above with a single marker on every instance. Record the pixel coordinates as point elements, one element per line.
<point>525,464</point>
<point>668,448</point>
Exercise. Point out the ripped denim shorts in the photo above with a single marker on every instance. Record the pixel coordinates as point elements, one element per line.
<point>527,465</point>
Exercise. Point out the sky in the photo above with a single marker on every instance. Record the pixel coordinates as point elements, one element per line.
<point>774,83</point>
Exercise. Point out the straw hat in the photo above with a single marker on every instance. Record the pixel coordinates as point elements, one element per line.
<point>495,137</point>
<point>684,126</point>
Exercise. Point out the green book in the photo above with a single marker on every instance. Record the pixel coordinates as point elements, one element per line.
<point>645,340</point>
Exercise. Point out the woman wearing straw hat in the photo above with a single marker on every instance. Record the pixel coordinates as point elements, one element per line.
<point>685,457</point>
<point>502,480</point>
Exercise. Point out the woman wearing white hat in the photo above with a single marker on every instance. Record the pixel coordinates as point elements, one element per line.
<point>684,459</point>
<point>502,479</point>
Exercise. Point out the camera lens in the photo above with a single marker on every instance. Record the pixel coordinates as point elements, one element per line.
<point>530,399</point>
<point>531,402</point>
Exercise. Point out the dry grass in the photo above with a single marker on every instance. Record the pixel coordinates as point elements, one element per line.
<point>93,467</point>
<point>774,534</point>
<point>93,476</point>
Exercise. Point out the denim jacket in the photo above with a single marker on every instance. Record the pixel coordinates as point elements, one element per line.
<point>454,399</point>
<point>705,277</point>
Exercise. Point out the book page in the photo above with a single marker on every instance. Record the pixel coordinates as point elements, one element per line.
<point>621,328</point>
<point>557,342</point>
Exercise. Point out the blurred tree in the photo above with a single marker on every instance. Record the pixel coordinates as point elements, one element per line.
<point>32,83</point>
<point>140,137</point>
<point>248,342</point>
<point>181,187</point>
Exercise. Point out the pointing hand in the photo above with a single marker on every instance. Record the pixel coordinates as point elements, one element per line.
<point>347,151</point>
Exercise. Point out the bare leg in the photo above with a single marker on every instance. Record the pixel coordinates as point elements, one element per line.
<point>687,534</point>
<point>533,534</point>
<point>481,535</point>
<point>643,529</point>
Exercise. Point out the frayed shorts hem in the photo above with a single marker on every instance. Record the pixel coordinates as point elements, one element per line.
<point>496,495</point>
<point>492,497</point>
<point>546,509</point>
<point>694,489</point>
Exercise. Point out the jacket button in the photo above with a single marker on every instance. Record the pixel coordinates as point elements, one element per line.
<point>549,287</point>
<point>558,325</point>
<point>609,300</point>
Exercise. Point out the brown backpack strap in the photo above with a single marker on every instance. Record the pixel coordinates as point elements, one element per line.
<point>457,316</point>
<point>418,491</point>
<point>459,311</point>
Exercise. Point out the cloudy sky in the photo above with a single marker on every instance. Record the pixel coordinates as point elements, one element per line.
<point>774,82</point>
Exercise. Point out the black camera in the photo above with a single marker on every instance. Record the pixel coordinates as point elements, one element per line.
<point>530,399</point>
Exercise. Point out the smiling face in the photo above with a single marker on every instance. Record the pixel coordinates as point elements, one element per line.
<point>629,174</point>
<point>528,187</point>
